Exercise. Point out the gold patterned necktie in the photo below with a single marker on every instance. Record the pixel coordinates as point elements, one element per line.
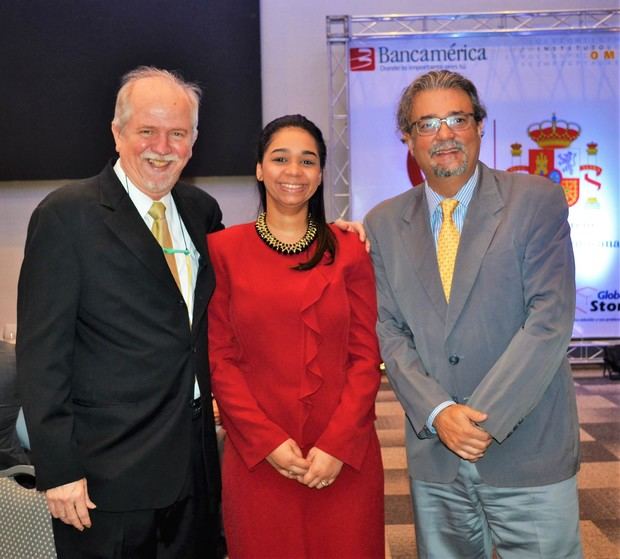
<point>162,234</point>
<point>447,245</point>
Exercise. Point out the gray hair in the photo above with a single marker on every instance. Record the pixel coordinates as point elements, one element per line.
<point>123,108</point>
<point>436,79</point>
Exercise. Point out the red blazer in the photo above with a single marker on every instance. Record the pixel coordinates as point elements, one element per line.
<point>293,354</point>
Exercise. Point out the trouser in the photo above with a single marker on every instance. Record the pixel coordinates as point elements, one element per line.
<point>143,534</point>
<point>11,451</point>
<point>467,518</point>
<point>182,530</point>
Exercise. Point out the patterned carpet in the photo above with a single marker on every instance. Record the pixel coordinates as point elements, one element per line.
<point>598,400</point>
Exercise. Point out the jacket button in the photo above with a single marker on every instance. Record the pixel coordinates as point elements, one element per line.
<point>453,359</point>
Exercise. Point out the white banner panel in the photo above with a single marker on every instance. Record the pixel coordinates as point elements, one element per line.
<point>553,109</point>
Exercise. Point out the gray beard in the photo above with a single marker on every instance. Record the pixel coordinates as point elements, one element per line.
<point>440,171</point>
<point>443,172</point>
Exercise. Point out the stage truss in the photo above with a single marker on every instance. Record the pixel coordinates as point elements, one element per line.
<point>588,352</point>
<point>342,29</point>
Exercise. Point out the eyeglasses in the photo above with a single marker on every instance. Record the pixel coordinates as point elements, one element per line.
<point>430,126</point>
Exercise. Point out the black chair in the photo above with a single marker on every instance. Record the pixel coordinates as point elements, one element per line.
<point>611,362</point>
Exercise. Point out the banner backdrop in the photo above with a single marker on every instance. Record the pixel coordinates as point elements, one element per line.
<point>553,109</point>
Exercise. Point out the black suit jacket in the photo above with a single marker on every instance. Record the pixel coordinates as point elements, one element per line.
<point>106,357</point>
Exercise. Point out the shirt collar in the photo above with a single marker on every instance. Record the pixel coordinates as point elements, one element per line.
<point>464,195</point>
<point>141,201</point>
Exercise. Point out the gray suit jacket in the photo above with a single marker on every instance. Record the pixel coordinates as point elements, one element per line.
<point>500,345</point>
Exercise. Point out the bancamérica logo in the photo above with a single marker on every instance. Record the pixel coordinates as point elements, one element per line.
<point>362,59</point>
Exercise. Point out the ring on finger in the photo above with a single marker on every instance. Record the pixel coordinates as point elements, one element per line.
<point>324,483</point>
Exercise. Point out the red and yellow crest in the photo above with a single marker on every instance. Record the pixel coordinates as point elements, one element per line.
<point>571,190</point>
<point>553,136</point>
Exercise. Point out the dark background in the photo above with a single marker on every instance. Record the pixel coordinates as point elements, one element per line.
<point>60,67</point>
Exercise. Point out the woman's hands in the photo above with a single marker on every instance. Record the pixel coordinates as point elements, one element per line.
<point>288,460</point>
<point>324,469</point>
<point>318,470</point>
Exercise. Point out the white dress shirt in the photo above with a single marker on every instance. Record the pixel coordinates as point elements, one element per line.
<point>187,265</point>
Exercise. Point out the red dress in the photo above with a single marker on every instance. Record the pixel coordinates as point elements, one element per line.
<point>294,355</point>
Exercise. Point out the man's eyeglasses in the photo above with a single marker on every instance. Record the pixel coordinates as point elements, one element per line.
<point>430,126</point>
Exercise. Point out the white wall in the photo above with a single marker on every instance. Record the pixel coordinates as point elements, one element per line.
<point>295,79</point>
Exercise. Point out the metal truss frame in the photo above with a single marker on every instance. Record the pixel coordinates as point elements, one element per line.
<point>342,29</point>
<point>588,352</point>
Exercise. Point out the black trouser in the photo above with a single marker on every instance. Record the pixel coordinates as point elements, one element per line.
<point>143,534</point>
<point>181,531</point>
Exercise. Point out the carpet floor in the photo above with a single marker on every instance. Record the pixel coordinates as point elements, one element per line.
<point>598,400</point>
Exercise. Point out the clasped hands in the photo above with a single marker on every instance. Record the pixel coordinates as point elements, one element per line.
<point>317,470</point>
<point>458,428</point>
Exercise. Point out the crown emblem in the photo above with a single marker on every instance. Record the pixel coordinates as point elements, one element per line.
<point>554,133</point>
<point>515,149</point>
<point>592,148</point>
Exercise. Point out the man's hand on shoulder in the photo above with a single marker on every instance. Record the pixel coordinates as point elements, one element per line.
<point>458,429</point>
<point>70,503</point>
<point>355,227</point>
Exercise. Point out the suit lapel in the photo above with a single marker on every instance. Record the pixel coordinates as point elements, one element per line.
<point>126,223</point>
<point>194,223</point>
<point>481,222</point>
<point>419,245</point>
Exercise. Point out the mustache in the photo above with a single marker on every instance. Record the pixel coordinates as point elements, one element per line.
<point>448,144</point>
<point>158,157</point>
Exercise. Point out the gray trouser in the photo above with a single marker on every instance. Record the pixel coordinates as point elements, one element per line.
<point>467,518</point>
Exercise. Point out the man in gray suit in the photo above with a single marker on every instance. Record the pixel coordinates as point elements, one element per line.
<point>477,354</point>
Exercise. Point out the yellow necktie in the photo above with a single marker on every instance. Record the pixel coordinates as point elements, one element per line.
<point>447,245</point>
<point>162,234</point>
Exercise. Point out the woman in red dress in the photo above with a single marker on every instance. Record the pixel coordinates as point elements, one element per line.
<point>295,367</point>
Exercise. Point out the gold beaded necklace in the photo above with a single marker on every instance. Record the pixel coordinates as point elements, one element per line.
<point>285,248</point>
